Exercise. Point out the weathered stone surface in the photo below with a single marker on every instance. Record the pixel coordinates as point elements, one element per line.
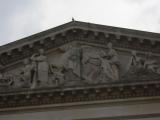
<point>74,63</point>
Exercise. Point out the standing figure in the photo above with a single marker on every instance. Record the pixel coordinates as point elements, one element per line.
<point>33,76</point>
<point>41,68</point>
<point>73,62</point>
<point>91,65</point>
<point>110,63</point>
<point>26,74</point>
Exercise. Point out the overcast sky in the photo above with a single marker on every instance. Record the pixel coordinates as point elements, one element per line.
<point>21,18</point>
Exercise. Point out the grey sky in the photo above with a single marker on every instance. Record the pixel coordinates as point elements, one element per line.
<point>21,18</point>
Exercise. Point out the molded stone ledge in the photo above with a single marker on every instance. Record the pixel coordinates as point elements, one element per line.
<point>48,96</point>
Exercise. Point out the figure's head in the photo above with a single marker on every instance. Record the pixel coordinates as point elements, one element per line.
<point>109,45</point>
<point>41,51</point>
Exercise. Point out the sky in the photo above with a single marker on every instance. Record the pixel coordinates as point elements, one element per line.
<point>22,18</point>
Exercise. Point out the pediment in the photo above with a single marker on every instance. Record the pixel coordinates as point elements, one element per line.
<point>84,46</point>
<point>78,62</point>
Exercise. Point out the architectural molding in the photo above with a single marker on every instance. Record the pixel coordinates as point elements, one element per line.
<point>66,33</point>
<point>51,96</point>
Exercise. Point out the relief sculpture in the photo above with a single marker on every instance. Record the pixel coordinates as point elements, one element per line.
<point>91,65</point>
<point>41,69</point>
<point>6,81</point>
<point>150,63</point>
<point>110,63</point>
<point>26,73</point>
<point>73,62</point>
<point>94,65</point>
<point>82,65</point>
<point>142,68</point>
<point>56,77</point>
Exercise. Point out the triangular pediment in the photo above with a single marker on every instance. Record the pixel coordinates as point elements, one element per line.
<point>78,62</point>
<point>84,46</point>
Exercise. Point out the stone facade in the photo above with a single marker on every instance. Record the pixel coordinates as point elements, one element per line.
<point>81,66</point>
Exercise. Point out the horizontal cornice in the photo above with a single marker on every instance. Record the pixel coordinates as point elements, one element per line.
<point>88,93</point>
<point>142,35</point>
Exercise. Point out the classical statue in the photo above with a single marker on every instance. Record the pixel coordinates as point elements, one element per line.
<point>110,63</point>
<point>41,68</point>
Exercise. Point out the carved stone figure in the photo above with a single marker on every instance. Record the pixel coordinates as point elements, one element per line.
<point>9,79</point>
<point>100,66</point>
<point>74,61</point>
<point>150,63</point>
<point>5,81</point>
<point>135,68</point>
<point>91,65</point>
<point>41,68</point>
<point>25,78</point>
<point>110,63</point>
<point>72,57</point>
<point>147,63</point>
<point>33,76</point>
<point>28,74</point>
<point>57,76</point>
<point>142,68</point>
<point>135,62</point>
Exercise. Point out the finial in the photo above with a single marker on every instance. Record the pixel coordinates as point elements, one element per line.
<point>73,19</point>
